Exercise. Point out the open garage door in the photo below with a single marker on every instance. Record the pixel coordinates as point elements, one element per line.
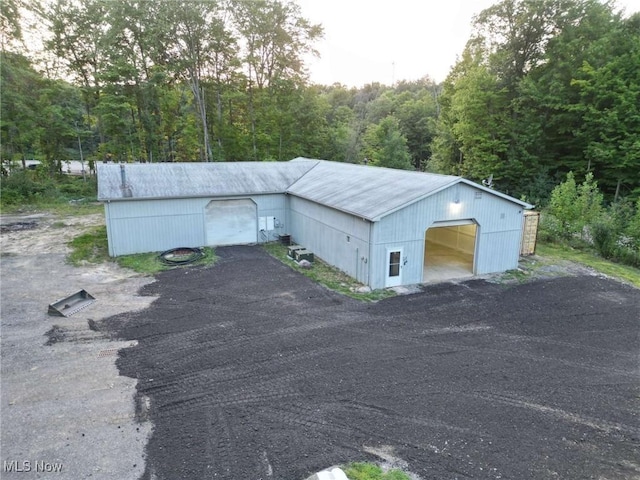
<point>449,250</point>
<point>231,222</point>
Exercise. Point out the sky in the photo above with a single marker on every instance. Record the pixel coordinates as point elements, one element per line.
<point>390,40</point>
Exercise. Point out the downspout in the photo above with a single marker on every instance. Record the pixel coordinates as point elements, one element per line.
<point>370,262</point>
<point>107,208</point>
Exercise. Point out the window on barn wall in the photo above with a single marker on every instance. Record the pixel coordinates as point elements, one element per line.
<point>394,267</point>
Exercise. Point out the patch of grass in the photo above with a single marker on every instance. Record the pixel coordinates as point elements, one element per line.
<point>84,207</point>
<point>90,247</point>
<point>515,275</point>
<point>616,270</point>
<point>58,224</point>
<point>150,263</point>
<point>370,471</point>
<point>142,263</point>
<point>63,208</point>
<point>328,276</point>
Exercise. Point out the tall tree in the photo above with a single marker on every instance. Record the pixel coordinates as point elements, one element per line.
<point>77,39</point>
<point>10,23</point>
<point>609,107</point>
<point>21,85</point>
<point>275,37</point>
<point>196,27</point>
<point>386,146</point>
<point>59,109</point>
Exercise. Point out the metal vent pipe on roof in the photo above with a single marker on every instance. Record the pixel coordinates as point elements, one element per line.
<point>126,189</point>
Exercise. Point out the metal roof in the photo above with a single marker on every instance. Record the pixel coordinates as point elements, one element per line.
<point>365,191</point>
<point>176,180</point>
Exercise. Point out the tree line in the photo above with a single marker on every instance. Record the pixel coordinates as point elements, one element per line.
<point>543,88</point>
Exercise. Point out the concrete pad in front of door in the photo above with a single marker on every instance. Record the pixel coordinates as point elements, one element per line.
<point>445,272</point>
<point>443,264</point>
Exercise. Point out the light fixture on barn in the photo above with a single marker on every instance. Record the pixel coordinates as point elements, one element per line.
<point>455,207</point>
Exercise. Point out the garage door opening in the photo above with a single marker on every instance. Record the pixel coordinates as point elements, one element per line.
<point>231,222</point>
<point>449,251</point>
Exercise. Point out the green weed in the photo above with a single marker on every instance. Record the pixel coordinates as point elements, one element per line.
<point>90,247</point>
<point>28,191</point>
<point>149,263</point>
<point>326,275</point>
<point>55,207</point>
<point>370,471</point>
<point>616,270</point>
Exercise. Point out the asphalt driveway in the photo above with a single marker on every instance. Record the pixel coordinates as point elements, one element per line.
<point>250,371</point>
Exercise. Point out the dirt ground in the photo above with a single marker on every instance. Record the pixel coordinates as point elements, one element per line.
<point>254,372</point>
<point>247,370</point>
<point>63,405</point>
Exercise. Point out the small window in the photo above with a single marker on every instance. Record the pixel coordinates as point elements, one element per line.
<point>478,195</point>
<point>394,264</point>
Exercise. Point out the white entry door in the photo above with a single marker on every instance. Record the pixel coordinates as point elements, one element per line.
<point>231,222</point>
<point>394,267</point>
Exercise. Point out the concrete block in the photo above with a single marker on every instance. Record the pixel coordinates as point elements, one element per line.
<point>334,473</point>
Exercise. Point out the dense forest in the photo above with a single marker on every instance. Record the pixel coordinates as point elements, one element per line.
<point>543,87</point>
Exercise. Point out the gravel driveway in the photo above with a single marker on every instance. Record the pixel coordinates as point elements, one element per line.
<point>252,371</point>
<point>66,412</point>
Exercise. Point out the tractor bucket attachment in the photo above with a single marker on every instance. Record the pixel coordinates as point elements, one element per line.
<point>67,306</point>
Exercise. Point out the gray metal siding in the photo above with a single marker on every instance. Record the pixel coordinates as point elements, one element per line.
<point>499,223</point>
<point>498,251</point>
<point>140,226</point>
<point>336,237</point>
<point>273,206</point>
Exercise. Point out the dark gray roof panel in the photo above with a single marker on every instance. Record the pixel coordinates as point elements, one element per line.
<point>174,180</point>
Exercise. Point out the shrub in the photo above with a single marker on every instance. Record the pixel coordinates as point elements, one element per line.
<point>31,187</point>
<point>20,187</point>
<point>576,206</point>
<point>550,228</point>
<point>604,237</point>
<point>627,256</point>
<point>633,228</point>
<point>76,187</point>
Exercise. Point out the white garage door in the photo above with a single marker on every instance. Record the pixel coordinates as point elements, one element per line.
<point>231,222</point>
